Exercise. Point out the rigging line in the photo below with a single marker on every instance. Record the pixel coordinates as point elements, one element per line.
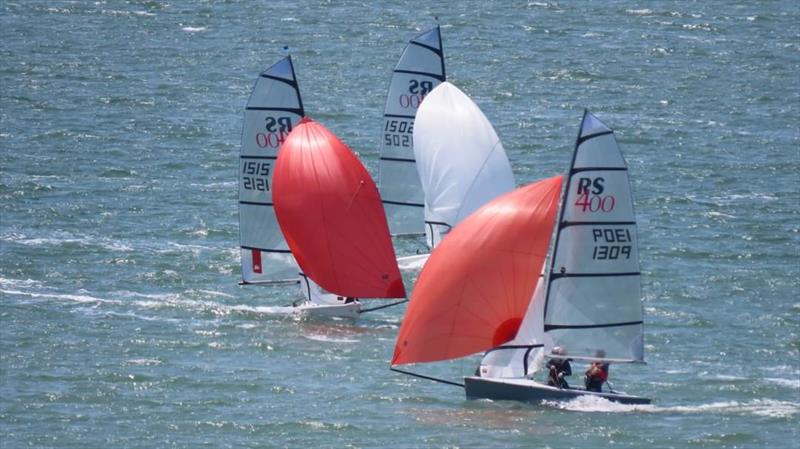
<point>358,189</point>
<point>383,307</point>
<point>421,376</point>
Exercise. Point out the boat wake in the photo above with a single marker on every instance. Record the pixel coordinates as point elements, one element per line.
<point>769,408</point>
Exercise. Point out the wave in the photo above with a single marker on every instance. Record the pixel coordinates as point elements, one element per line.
<point>770,408</point>
<point>327,339</point>
<point>61,296</point>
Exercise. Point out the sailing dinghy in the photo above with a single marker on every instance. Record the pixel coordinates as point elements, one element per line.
<point>273,109</point>
<point>461,163</point>
<point>483,289</point>
<point>331,214</point>
<point>419,70</point>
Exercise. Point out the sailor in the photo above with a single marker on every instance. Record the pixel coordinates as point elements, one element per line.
<point>597,374</point>
<point>559,367</point>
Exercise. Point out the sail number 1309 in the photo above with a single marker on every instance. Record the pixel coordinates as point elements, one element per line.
<point>615,243</point>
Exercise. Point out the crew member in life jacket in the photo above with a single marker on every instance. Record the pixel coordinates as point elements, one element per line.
<point>559,368</point>
<point>597,374</point>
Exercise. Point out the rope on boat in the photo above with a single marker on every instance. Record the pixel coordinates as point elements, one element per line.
<point>435,379</point>
<point>384,306</point>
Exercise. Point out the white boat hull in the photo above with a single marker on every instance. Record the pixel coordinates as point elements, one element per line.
<point>526,390</point>
<point>351,310</point>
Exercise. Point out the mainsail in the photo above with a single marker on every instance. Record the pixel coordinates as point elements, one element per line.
<point>591,290</point>
<point>330,211</point>
<point>461,163</point>
<point>420,69</point>
<point>593,303</point>
<point>273,109</point>
<point>475,288</point>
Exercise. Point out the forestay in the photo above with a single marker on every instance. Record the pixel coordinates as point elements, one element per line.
<point>273,109</point>
<point>461,163</point>
<point>420,69</point>
<point>593,303</point>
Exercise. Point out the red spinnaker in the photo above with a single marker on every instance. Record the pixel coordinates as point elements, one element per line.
<point>331,214</point>
<point>475,289</point>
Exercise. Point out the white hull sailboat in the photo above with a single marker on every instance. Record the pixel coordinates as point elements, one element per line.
<point>487,289</point>
<point>528,390</point>
<point>273,110</point>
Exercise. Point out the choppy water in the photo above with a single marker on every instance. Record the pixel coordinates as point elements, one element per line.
<point>121,321</point>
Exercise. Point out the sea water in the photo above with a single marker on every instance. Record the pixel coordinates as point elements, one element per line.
<point>122,323</point>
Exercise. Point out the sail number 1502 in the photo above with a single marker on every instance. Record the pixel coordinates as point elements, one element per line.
<point>398,133</point>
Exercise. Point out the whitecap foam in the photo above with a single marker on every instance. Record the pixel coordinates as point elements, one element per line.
<point>60,297</point>
<point>328,339</point>
<point>770,408</point>
<point>791,383</point>
<point>193,29</point>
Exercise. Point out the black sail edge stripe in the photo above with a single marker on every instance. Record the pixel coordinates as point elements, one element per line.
<point>298,111</point>
<point>397,159</point>
<point>399,116</point>
<point>414,72</point>
<point>255,248</point>
<point>242,156</point>
<point>578,170</point>
<point>592,136</point>
<point>596,223</point>
<point>255,203</point>
<point>552,327</point>
<point>557,276</point>
<point>402,203</point>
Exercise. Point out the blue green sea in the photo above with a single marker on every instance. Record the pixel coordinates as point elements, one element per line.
<point>122,321</point>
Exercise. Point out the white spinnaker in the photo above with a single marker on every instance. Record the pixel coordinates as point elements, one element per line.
<point>593,303</point>
<point>273,109</point>
<point>420,69</point>
<point>461,163</point>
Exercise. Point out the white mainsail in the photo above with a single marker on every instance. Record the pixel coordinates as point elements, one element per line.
<point>593,284</point>
<point>420,69</point>
<point>273,109</point>
<point>461,163</point>
<point>593,305</point>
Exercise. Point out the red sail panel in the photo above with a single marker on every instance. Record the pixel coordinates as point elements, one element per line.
<point>475,289</point>
<point>332,217</point>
